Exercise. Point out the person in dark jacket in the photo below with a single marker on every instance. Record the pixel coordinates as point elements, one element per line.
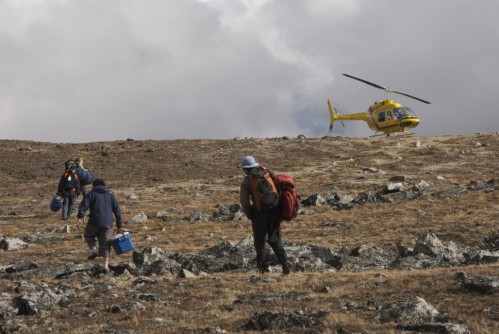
<point>265,223</point>
<point>102,205</point>
<point>69,190</point>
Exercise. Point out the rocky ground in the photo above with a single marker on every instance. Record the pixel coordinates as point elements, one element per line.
<point>396,235</point>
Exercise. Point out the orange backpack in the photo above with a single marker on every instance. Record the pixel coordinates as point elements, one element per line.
<point>263,191</point>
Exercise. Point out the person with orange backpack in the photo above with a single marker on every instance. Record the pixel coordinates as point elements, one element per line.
<point>260,202</point>
<point>68,189</point>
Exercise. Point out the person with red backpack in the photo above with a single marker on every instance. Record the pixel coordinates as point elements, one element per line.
<point>68,189</point>
<point>260,202</point>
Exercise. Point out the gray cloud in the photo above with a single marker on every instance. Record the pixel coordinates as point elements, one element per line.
<point>79,71</point>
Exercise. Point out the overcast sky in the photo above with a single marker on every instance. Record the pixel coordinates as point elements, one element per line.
<point>100,70</point>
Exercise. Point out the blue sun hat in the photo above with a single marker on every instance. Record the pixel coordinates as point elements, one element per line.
<point>248,162</point>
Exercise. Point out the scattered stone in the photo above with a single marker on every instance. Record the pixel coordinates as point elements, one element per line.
<point>140,218</point>
<point>441,328</point>
<point>186,274</point>
<point>114,309</point>
<point>22,266</point>
<point>62,229</point>
<point>412,310</point>
<point>428,244</point>
<point>12,244</point>
<point>480,284</point>
<point>42,299</point>
<point>278,321</point>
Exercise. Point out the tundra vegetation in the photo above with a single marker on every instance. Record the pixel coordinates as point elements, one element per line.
<point>395,235</point>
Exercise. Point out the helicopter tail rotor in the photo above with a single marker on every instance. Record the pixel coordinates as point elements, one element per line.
<point>334,116</point>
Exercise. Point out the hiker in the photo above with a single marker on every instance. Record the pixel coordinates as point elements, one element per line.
<point>85,176</point>
<point>68,189</point>
<point>102,205</point>
<point>264,221</point>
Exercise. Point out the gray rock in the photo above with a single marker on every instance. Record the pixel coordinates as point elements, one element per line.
<point>7,309</point>
<point>140,218</point>
<point>428,244</point>
<point>441,328</point>
<point>42,238</point>
<point>22,266</point>
<point>314,200</point>
<point>198,216</point>
<point>62,229</point>
<point>451,191</point>
<point>55,271</point>
<point>278,321</point>
<point>13,326</point>
<point>394,187</point>
<point>11,244</point>
<point>480,284</point>
<point>412,310</point>
<point>40,300</point>
<point>485,256</point>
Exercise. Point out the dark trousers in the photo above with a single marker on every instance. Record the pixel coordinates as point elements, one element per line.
<point>103,235</point>
<point>266,228</point>
<point>67,206</point>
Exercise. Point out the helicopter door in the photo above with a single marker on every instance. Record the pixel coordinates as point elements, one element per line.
<point>389,115</point>
<point>381,116</point>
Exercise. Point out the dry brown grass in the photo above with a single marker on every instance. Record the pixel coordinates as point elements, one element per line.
<point>196,175</point>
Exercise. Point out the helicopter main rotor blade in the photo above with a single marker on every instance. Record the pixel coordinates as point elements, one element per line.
<point>412,97</point>
<point>386,89</point>
<point>366,82</point>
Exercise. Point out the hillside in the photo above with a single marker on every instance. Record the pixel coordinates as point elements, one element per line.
<point>184,190</point>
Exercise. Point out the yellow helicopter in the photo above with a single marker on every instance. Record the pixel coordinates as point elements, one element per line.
<point>383,117</point>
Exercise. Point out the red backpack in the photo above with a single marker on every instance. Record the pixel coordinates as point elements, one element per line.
<point>290,201</point>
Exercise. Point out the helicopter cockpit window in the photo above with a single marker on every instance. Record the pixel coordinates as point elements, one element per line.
<point>410,111</point>
<point>401,113</point>
<point>381,116</point>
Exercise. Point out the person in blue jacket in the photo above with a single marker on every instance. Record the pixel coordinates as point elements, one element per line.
<point>102,205</point>
<point>85,176</point>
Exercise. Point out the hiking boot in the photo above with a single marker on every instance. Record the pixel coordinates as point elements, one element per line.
<point>264,267</point>
<point>286,269</point>
<point>92,254</point>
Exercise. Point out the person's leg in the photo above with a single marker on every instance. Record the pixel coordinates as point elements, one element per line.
<point>71,205</point>
<point>90,234</point>
<point>104,237</point>
<point>65,207</point>
<point>275,242</point>
<point>259,234</point>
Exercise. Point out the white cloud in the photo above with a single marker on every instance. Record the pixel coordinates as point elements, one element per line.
<point>226,68</point>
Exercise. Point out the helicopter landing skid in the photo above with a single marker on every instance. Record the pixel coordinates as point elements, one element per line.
<point>401,134</point>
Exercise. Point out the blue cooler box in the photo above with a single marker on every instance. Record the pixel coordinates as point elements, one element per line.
<point>122,243</point>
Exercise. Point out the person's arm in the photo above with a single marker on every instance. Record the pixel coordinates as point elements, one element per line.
<point>60,191</point>
<point>77,186</point>
<point>245,199</point>
<point>81,210</point>
<point>117,213</point>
